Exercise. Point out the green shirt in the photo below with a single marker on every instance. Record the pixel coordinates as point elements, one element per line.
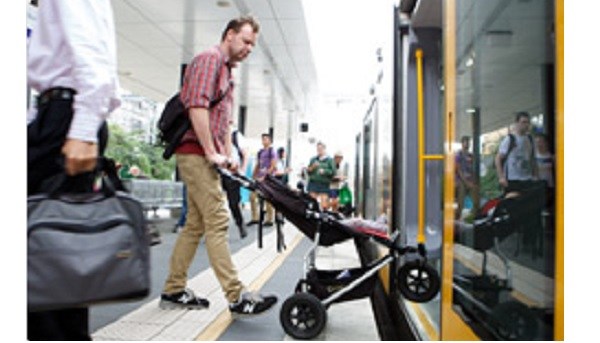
<point>327,165</point>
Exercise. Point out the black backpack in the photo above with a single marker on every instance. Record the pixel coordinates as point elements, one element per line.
<point>174,123</point>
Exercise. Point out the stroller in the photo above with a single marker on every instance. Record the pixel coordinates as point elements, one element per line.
<point>487,296</point>
<point>303,315</point>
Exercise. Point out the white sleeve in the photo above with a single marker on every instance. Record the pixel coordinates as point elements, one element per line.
<point>89,32</point>
<point>503,148</point>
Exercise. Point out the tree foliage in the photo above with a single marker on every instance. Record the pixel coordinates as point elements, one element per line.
<point>129,149</point>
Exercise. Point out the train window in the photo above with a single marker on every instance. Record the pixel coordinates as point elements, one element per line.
<point>504,189</point>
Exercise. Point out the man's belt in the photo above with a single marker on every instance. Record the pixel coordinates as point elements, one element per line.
<point>56,93</point>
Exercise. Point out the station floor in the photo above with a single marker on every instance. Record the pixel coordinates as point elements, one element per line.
<point>264,270</point>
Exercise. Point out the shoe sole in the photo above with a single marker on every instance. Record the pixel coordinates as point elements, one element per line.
<point>236,315</point>
<point>167,305</point>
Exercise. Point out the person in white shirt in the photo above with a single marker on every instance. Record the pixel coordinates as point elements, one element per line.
<point>515,161</point>
<point>71,63</point>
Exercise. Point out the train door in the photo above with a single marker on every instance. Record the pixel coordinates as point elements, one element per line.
<point>463,70</point>
<point>418,153</point>
<point>369,162</point>
<point>500,62</point>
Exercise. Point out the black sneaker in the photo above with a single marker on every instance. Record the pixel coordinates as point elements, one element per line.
<point>268,224</point>
<point>251,304</point>
<point>185,299</point>
<point>252,222</point>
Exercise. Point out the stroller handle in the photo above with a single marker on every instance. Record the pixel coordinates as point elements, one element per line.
<point>243,180</point>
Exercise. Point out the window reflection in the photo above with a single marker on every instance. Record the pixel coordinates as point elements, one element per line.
<point>504,232</point>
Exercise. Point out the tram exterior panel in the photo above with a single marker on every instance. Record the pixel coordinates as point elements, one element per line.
<point>480,63</point>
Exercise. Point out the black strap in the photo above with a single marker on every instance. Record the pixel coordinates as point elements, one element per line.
<point>105,167</point>
<point>511,145</point>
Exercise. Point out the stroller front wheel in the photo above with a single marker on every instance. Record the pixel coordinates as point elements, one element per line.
<point>418,281</point>
<point>303,316</point>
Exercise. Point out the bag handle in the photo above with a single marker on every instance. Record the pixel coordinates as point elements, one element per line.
<point>105,168</point>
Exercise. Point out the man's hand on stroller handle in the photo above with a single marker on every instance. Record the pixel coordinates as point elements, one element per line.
<point>218,160</point>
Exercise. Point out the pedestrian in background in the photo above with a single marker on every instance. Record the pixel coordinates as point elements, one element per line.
<point>320,170</point>
<point>266,164</point>
<point>282,171</point>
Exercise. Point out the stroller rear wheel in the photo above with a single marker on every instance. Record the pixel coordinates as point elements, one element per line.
<point>418,281</point>
<point>303,316</point>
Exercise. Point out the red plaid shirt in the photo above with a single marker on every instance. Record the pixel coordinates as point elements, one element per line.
<point>206,79</point>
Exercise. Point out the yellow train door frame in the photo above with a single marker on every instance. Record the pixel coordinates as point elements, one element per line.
<point>452,327</point>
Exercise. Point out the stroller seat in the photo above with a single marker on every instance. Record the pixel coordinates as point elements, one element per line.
<point>501,217</point>
<point>367,227</point>
<point>297,207</point>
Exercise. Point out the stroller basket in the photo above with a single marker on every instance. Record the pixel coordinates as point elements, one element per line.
<point>324,283</point>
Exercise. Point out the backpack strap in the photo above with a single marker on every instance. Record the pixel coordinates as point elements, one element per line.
<point>234,141</point>
<point>511,145</point>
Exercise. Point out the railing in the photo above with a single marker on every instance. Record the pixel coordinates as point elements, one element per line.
<point>155,194</point>
<point>423,157</point>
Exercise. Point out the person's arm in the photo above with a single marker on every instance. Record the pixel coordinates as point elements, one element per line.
<point>312,165</point>
<point>273,166</point>
<point>499,170</point>
<point>241,142</point>
<point>228,150</point>
<point>330,170</point>
<point>200,122</point>
<point>203,72</point>
<point>244,162</point>
<point>500,159</point>
<point>256,163</point>
<point>91,41</point>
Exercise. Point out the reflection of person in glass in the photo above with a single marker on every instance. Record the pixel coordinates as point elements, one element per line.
<point>515,161</point>
<point>464,176</point>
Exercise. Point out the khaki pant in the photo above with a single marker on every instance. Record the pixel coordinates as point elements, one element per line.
<point>207,215</point>
<point>254,201</point>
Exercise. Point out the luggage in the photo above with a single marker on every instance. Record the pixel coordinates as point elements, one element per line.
<point>86,248</point>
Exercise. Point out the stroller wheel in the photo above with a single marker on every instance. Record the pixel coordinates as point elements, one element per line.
<point>418,281</point>
<point>303,316</point>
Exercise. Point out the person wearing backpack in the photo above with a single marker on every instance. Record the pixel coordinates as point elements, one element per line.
<point>206,145</point>
<point>515,162</point>
<point>517,172</point>
<point>266,163</point>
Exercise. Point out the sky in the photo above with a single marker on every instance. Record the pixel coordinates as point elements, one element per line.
<point>344,49</point>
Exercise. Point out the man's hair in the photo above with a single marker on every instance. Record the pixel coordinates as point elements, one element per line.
<point>265,135</point>
<point>465,138</point>
<point>322,144</point>
<point>521,114</point>
<point>237,24</point>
